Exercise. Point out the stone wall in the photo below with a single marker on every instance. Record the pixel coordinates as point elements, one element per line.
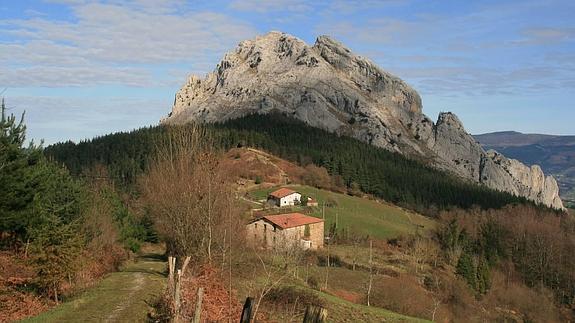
<point>262,234</point>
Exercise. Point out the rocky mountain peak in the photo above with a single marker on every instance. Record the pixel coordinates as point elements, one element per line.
<point>450,120</point>
<point>327,86</point>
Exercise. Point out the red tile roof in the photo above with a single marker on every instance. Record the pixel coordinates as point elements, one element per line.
<point>282,192</point>
<point>311,201</point>
<point>291,220</point>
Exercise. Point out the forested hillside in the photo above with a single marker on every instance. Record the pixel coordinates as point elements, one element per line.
<point>58,234</point>
<point>357,165</point>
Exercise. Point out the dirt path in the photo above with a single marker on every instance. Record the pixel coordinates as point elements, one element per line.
<point>120,297</point>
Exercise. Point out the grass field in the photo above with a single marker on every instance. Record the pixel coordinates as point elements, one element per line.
<point>340,310</point>
<point>120,297</point>
<point>250,276</point>
<point>358,215</point>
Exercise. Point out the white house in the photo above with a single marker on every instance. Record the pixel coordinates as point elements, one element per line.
<point>284,197</point>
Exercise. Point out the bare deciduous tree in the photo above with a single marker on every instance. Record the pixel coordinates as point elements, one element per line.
<point>189,199</point>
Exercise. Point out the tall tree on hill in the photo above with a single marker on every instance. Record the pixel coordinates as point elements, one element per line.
<point>188,198</point>
<point>466,269</point>
<point>16,177</point>
<point>40,205</point>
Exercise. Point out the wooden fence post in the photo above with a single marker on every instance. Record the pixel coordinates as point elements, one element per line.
<point>315,314</point>
<point>177,293</point>
<point>198,312</point>
<point>247,311</point>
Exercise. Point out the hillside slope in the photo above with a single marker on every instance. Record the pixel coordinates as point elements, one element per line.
<point>351,163</point>
<point>359,216</point>
<point>329,87</point>
<point>555,155</point>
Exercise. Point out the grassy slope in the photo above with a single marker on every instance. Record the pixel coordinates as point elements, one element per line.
<point>359,215</point>
<point>339,309</point>
<point>365,217</point>
<point>120,297</point>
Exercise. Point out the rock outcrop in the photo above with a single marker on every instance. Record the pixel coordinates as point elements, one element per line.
<point>329,87</point>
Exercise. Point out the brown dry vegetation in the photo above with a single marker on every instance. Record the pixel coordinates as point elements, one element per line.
<point>251,164</point>
<point>247,163</point>
<point>15,302</point>
<point>19,293</point>
<point>219,303</point>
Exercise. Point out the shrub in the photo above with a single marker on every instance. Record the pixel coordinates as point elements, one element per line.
<point>292,296</point>
<point>334,261</point>
<point>313,282</point>
<point>133,244</point>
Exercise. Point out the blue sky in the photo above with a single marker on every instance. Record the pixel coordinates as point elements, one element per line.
<point>85,68</point>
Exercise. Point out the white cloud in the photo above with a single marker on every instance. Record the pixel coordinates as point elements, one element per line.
<point>66,76</point>
<point>139,35</point>
<point>264,6</point>
<point>547,35</point>
<point>466,55</point>
<point>350,6</point>
<point>53,118</point>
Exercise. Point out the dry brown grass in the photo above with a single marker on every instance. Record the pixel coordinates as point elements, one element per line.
<point>242,163</point>
<point>218,304</point>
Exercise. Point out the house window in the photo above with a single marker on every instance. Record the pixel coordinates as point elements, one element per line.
<point>306,230</point>
<point>265,227</point>
<point>274,229</point>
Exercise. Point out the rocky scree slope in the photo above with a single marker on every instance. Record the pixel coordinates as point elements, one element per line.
<point>329,87</point>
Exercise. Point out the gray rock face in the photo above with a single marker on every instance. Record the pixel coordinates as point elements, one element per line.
<point>329,87</point>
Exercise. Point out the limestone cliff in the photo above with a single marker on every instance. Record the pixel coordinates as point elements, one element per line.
<point>329,87</point>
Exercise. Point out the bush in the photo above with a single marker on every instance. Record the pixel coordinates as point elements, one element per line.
<point>405,295</point>
<point>133,244</point>
<point>313,282</point>
<point>161,311</point>
<point>292,297</point>
<point>258,180</point>
<point>334,261</point>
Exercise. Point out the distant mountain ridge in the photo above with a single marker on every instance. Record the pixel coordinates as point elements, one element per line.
<point>514,138</point>
<point>329,87</point>
<point>555,154</point>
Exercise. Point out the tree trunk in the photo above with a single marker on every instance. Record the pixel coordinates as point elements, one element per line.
<point>171,266</point>
<point>370,272</point>
<point>56,293</point>
<point>185,264</point>
<point>210,221</point>
<point>327,268</point>
<point>26,249</point>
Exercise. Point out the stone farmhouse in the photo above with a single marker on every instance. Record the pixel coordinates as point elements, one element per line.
<point>286,230</point>
<point>284,197</point>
